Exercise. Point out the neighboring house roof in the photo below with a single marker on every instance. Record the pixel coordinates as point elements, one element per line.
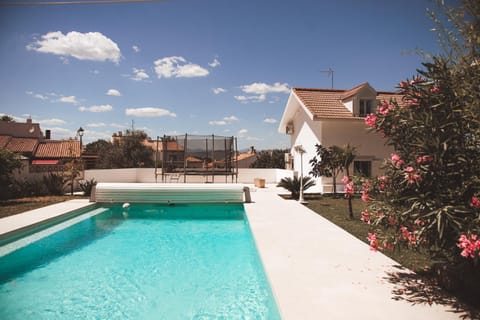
<point>329,103</point>
<point>243,156</point>
<point>193,159</point>
<point>58,149</point>
<point>171,145</point>
<point>21,145</point>
<point>4,140</point>
<point>21,129</point>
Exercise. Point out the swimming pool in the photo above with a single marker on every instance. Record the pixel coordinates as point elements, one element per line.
<point>144,262</point>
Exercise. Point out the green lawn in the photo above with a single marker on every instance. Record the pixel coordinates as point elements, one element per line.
<point>15,206</point>
<point>336,210</point>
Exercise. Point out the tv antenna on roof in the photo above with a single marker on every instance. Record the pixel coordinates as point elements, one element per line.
<point>329,72</point>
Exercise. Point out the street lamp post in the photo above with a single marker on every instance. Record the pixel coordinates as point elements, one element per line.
<point>80,132</point>
<point>299,148</point>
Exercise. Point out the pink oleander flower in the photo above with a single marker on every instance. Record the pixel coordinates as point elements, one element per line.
<point>435,89</point>
<point>408,236</point>
<point>366,216</point>
<point>475,203</point>
<point>411,176</point>
<point>392,221</point>
<point>424,159</point>
<point>371,120</point>
<point>372,239</point>
<point>345,179</point>
<point>385,108</point>
<point>349,189</point>
<point>382,182</point>
<point>396,160</point>
<point>388,246</point>
<point>470,245</point>
<point>365,196</point>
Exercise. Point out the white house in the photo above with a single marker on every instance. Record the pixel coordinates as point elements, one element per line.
<point>335,117</point>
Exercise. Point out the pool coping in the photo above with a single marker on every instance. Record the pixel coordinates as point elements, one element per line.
<point>293,243</point>
<point>319,271</point>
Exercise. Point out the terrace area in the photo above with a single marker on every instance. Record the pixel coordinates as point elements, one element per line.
<point>315,268</point>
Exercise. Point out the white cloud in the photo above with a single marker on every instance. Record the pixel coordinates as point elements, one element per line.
<point>270,120</point>
<point>230,119</point>
<point>242,133</point>
<point>83,46</point>
<point>178,67</point>
<point>260,88</point>
<point>139,75</point>
<point>136,49</point>
<point>217,123</point>
<point>69,99</point>
<point>100,108</point>
<point>218,90</point>
<point>149,112</point>
<point>50,122</point>
<point>215,63</point>
<point>113,92</point>
<point>245,99</point>
<point>225,121</point>
<point>96,125</point>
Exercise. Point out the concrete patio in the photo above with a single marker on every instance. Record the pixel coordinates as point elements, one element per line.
<point>316,270</point>
<point>319,271</point>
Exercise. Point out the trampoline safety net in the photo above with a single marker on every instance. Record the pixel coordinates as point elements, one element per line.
<point>196,155</point>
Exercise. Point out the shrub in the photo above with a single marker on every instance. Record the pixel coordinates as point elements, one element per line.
<point>293,185</point>
<point>54,183</point>
<point>87,186</point>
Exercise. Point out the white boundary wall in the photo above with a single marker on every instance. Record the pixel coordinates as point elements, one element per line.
<point>145,175</point>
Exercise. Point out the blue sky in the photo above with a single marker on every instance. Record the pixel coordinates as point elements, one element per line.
<point>198,66</point>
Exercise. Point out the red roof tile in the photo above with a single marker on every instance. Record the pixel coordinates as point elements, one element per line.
<point>58,149</point>
<point>324,103</point>
<point>327,103</point>
<point>22,145</point>
<point>4,140</point>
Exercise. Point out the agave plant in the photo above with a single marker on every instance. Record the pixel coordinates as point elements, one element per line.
<point>293,185</point>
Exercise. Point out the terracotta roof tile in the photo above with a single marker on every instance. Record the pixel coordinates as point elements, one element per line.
<point>22,145</point>
<point>58,149</point>
<point>327,103</point>
<point>324,103</point>
<point>4,140</point>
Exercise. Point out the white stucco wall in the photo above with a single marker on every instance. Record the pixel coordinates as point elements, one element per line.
<point>247,176</point>
<point>370,146</point>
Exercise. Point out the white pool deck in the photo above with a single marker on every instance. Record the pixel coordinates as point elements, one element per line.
<point>316,270</point>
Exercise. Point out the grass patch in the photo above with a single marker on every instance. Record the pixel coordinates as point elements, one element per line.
<point>336,210</point>
<point>15,206</point>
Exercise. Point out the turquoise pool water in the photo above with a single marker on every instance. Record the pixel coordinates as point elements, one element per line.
<point>147,262</point>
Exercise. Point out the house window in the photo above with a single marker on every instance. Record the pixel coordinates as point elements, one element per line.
<point>365,107</point>
<point>362,168</point>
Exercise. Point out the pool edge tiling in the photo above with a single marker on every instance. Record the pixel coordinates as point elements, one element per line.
<point>319,271</point>
<point>315,269</point>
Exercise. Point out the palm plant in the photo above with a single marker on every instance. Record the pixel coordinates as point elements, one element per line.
<point>293,185</point>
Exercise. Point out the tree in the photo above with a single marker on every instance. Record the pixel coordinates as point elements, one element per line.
<point>125,152</point>
<point>9,161</point>
<point>293,185</point>
<point>270,159</point>
<point>429,196</point>
<point>7,118</point>
<point>328,162</point>
<point>348,156</point>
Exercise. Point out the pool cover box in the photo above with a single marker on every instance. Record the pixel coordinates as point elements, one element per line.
<point>170,194</point>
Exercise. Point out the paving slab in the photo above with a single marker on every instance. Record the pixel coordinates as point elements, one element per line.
<point>319,271</point>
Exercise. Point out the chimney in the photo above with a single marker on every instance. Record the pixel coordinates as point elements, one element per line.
<point>29,120</point>
<point>47,134</point>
